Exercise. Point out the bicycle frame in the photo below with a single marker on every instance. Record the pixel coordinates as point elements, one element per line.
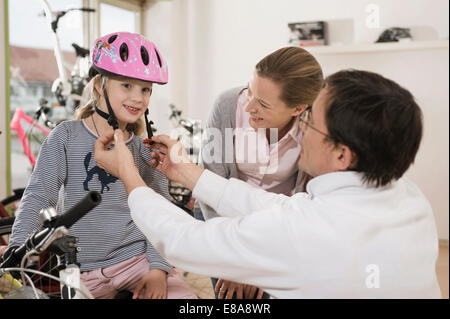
<point>16,125</point>
<point>66,87</point>
<point>55,238</point>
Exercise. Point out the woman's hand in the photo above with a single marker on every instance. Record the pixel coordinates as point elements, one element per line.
<point>153,285</point>
<point>242,290</point>
<point>229,288</point>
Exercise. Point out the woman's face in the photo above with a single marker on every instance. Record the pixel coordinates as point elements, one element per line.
<point>129,98</point>
<point>266,108</point>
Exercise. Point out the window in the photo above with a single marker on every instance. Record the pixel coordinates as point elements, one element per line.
<point>114,18</point>
<point>33,65</point>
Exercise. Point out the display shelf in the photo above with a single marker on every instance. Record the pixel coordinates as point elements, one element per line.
<point>378,47</point>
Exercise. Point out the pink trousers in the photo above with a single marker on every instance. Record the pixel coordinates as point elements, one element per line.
<point>105,283</point>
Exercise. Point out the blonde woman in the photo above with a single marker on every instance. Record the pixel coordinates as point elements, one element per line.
<point>264,118</point>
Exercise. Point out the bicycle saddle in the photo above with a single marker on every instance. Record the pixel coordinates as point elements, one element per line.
<point>82,52</point>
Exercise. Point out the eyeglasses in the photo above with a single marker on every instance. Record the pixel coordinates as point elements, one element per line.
<point>305,118</point>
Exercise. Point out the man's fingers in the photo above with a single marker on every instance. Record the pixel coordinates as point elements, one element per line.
<point>118,136</point>
<point>163,139</point>
<point>102,142</point>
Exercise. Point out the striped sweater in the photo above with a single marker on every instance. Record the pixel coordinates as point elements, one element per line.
<point>65,171</point>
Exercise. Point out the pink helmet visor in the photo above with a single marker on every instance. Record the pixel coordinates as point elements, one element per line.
<point>130,55</point>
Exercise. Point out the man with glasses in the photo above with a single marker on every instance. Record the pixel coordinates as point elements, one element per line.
<point>361,230</point>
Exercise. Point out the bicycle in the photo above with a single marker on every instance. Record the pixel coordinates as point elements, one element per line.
<point>52,238</point>
<point>189,133</point>
<point>64,87</point>
<point>7,208</point>
<point>32,138</point>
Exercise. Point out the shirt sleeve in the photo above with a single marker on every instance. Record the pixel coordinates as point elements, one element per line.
<point>45,182</point>
<point>231,248</point>
<point>233,197</point>
<point>159,183</point>
<point>217,155</point>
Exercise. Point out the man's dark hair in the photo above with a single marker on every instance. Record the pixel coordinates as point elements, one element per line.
<point>377,119</point>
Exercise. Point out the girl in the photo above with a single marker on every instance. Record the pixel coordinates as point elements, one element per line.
<point>115,255</point>
<point>283,84</point>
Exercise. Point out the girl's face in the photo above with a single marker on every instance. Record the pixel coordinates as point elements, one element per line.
<point>129,98</point>
<point>266,108</point>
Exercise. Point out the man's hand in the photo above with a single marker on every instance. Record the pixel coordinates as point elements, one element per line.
<point>153,285</point>
<point>170,158</point>
<point>117,161</point>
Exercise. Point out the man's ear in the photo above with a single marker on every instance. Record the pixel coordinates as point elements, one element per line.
<point>345,158</point>
<point>299,109</point>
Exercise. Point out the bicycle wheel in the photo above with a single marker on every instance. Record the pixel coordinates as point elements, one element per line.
<point>5,229</point>
<point>10,204</point>
<point>45,262</point>
<point>35,138</point>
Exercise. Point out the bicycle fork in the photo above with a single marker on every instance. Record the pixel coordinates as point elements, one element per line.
<point>69,270</point>
<point>73,288</point>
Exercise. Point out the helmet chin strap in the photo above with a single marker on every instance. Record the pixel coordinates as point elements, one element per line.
<point>110,118</point>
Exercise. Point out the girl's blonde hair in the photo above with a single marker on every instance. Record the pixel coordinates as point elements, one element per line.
<point>88,109</point>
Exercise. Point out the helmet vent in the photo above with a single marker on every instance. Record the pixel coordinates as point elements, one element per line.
<point>123,52</point>
<point>112,38</point>
<point>159,58</point>
<point>144,55</point>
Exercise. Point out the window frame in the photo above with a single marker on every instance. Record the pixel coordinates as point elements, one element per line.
<point>93,22</point>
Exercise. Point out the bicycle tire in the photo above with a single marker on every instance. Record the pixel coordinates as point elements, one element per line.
<point>6,225</point>
<point>18,193</point>
<point>9,205</point>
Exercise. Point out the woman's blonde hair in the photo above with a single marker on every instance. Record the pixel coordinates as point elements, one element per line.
<point>296,71</point>
<point>300,77</point>
<point>88,109</point>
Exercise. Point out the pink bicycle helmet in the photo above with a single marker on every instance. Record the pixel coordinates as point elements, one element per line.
<point>130,55</point>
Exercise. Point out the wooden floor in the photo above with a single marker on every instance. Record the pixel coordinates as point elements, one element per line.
<point>203,287</point>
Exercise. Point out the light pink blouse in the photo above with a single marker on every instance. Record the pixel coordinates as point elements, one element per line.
<point>272,167</point>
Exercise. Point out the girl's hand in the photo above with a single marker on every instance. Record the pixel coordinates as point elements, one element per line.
<point>153,285</point>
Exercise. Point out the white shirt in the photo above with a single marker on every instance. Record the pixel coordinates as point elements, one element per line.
<point>341,239</point>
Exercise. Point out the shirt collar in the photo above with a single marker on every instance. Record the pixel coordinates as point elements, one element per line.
<point>334,181</point>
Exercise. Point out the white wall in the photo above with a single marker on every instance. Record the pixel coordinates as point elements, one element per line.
<point>213,45</point>
<point>425,73</point>
<point>3,105</point>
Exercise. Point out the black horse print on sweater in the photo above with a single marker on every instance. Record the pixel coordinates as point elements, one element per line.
<point>104,177</point>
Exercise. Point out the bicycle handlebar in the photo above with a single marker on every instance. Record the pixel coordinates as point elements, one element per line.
<point>13,256</point>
